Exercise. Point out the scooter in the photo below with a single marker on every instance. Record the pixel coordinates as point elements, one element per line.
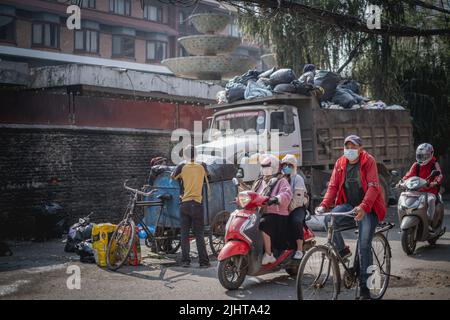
<point>243,250</point>
<point>412,214</point>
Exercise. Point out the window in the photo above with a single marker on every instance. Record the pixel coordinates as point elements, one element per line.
<point>234,30</point>
<point>86,40</point>
<point>152,12</point>
<point>182,51</point>
<point>45,34</point>
<point>156,50</point>
<point>181,18</point>
<point>7,28</point>
<point>277,121</point>
<point>84,3</point>
<point>123,46</point>
<point>122,7</point>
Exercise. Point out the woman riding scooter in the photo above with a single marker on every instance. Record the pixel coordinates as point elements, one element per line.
<point>275,218</point>
<point>297,205</point>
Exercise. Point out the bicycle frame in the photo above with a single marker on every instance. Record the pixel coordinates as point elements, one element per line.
<point>354,269</point>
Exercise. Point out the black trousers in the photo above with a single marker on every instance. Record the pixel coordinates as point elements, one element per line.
<point>191,214</point>
<point>295,226</point>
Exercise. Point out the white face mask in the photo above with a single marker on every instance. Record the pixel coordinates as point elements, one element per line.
<point>267,171</point>
<point>351,154</point>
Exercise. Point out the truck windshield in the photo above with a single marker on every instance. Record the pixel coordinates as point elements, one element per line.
<point>244,121</point>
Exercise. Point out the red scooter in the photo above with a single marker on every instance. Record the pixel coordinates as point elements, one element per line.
<point>243,250</point>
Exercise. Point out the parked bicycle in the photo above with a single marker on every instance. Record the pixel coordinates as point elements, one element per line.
<point>319,276</point>
<point>123,238</point>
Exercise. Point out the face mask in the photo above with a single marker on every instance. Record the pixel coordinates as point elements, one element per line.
<point>266,171</point>
<point>287,170</point>
<point>351,154</point>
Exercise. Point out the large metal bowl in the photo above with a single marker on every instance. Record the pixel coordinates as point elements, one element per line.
<point>209,44</point>
<point>209,67</point>
<point>210,22</point>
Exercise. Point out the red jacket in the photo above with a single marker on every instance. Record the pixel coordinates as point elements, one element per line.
<point>373,198</point>
<point>424,172</point>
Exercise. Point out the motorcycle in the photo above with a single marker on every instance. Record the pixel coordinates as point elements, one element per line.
<point>243,251</point>
<point>412,214</point>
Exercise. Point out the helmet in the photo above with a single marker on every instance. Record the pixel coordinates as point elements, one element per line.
<point>291,159</point>
<point>424,153</point>
<point>272,161</point>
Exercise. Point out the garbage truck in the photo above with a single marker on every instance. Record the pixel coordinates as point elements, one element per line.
<point>296,124</point>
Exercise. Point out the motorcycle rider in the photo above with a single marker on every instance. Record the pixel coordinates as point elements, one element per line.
<point>354,184</point>
<point>273,224</point>
<point>426,163</point>
<point>297,205</point>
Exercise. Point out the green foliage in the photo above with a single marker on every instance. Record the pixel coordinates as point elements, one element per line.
<point>412,71</point>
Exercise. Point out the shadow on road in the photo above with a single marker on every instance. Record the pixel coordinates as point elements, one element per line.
<point>257,288</point>
<point>437,252</point>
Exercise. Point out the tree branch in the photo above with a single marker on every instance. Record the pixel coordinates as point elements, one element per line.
<point>353,53</point>
<point>345,21</point>
<point>426,5</point>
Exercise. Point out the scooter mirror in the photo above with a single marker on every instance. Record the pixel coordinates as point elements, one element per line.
<point>240,173</point>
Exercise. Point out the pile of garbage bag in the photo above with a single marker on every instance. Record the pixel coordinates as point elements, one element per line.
<point>332,91</point>
<point>256,84</point>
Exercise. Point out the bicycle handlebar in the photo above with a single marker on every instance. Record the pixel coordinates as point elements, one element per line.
<point>145,194</point>
<point>330,213</point>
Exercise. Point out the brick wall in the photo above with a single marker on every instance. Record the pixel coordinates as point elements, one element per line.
<point>89,165</point>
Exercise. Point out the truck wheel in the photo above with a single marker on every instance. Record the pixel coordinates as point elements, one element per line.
<point>229,276</point>
<point>217,235</point>
<point>408,241</point>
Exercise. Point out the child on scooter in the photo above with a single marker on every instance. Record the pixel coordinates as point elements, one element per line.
<point>297,207</point>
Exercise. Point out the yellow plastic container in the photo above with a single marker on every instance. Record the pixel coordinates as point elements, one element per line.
<point>101,233</point>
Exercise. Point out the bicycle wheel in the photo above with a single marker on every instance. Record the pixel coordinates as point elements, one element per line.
<point>318,275</point>
<point>120,244</point>
<point>381,253</point>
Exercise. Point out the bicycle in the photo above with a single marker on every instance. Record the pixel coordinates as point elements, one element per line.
<point>325,258</point>
<point>123,237</point>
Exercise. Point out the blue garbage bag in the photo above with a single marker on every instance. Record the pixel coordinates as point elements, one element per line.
<point>255,91</point>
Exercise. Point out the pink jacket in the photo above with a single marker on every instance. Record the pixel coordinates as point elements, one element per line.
<point>283,192</point>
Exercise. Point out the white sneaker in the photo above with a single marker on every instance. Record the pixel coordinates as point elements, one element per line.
<point>298,255</point>
<point>268,259</point>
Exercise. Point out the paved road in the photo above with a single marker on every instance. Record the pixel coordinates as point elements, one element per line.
<point>38,271</point>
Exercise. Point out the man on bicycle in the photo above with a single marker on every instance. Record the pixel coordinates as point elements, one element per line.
<point>191,176</point>
<point>354,184</point>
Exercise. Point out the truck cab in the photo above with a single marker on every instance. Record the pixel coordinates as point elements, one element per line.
<point>296,124</point>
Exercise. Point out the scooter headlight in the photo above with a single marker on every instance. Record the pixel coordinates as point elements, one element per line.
<point>244,199</point>
<point>422,201</point>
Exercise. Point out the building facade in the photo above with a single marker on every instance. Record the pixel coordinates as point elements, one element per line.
<point>136,31</point>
